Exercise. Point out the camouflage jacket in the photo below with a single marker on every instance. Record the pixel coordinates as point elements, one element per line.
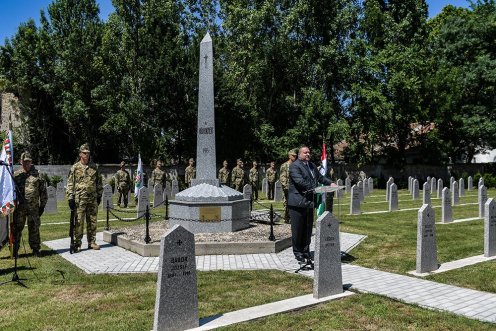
<point>253,176</point>
<point>158,177</point>
<point>189,174</point>
<point>271,175</point>
<point>32,187</point>
<point>224,176</point>
<point>122,180</point>
<point>237,176</point>
<point>284,175</point>
<point>84,183</point>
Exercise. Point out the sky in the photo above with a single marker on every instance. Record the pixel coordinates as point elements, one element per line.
<point>15,12</point>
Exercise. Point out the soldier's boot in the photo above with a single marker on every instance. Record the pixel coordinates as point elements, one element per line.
<point>93,246</point>
<point>77,249</point>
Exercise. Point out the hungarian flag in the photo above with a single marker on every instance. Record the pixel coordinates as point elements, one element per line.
<point>138,180</point>
<point>323,171</point>
<point>7,192</point>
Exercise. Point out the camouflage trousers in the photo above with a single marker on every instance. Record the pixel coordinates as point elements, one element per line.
<point>238,187</point>
<point>254,191</point>
<point>123,195</point>
<point>33,219</point>
<point>86,211</point>
<point>285,205</point>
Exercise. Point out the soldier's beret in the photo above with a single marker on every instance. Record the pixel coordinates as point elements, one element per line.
<point>26,157</point>
<point>293,152</point>
<point>85,148</point>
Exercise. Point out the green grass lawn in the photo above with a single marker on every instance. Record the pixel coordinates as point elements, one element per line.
<point>61,297</point>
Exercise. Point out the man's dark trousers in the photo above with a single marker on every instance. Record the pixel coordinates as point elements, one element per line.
<point>301,225</point>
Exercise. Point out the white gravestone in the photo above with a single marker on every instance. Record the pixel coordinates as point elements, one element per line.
<point>360,190</point>
<point>470,183</point>
<point>433,185</point>
<point>247,191</point>
<point>264,185</point>
<point>347,184</point>
<point>440,186</point>
<point>393,197</point>
<point>365,187</point>
<point>328,279</point>
<point>482,200</point>
<point>355,200</point>
<point>426,194</point>
<point>158,197</point>
<point>150,184</point>
<point>176,301</point>
<point>143,201</point>
<point>426,241</point>
<point>461,187</point>
<point>481,182</point>
<point>51,205</point>
<point>371,185</point>
<point>415,189</point>
<point>446,213</point>
<point>60,191</point>
<point>410,184</point>
<point>339,193</point>
<point>452,180</point>
<point>388,184</point>
<point>278,193</point>
<point>455,199</point>
<point>167,191</point>
<point>490,228</point>
<point>107,197</point>
<point>174,188</point>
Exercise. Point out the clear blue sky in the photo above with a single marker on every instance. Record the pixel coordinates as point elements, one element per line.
<point>14,12</point>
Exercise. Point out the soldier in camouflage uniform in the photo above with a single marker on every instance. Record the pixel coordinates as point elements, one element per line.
<point>254,181</point>
<point>84,193</point>
<point>224,174</point>
<point>31,204</point>
<point>158,176</point>
<point>284,179</point>
<point>238,176</point>
<point>190,172</point>
<point>271,180</point>
<point>123,183</point>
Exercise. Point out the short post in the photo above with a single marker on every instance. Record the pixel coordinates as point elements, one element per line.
<point>166,207</point>
<point>108,212</point>
<point>272,237</point>
<point>147,224</point>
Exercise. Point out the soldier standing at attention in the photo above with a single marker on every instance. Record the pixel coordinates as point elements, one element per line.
<point>238,176</point>
<point>190,172</point>
<point>158,175</point>
<point>32,200</point>
<point>123,182</point>
<point>254,181</point>
<point>224,174</point>
<point>284,179</point>
<point>84,192</point>
<point>271,180</point>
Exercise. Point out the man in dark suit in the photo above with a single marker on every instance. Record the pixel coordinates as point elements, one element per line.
<point>303,178</point>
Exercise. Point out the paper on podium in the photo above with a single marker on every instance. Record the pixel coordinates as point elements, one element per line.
<point>328,189</point>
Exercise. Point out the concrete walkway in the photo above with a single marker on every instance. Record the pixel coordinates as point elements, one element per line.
<point>470,303</point>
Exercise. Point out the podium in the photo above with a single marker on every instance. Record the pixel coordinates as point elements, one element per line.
<point>328,189</point>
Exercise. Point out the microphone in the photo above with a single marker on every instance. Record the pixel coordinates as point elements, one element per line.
<point>3,163</point>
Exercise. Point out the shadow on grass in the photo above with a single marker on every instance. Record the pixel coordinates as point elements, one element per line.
<point>347,258</point>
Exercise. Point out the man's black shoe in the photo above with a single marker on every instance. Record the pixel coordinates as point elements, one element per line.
<point>36,252</point>
<point>301,259</point>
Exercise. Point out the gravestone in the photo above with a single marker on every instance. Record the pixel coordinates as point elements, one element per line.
<point>150,184</point>
<point>339,193</point>
<point>470,183</point>
<point>174,188</point>
<point>347,184</point>
<point>247,191</point>
<point>355,200</point>
<point>278,193</point>
<point>428,180</point>
<point>143,201</point>
<point>365,187</point>
<point>51,205</point>
<point>176,301</point>
<point>415,189</point>
<point>393,197</point>
<point>490,228</point>
<point>439,188</point>
<point>482,200</point>
<point>107,197</point>
<point>168,190</point>
<point>452,180</point>
<point>426,240</point>
<point>60,191</point>
<point>481,182</point>
<point>328,278</point>
<point>433,185</point>
<point>371,185</point>
<point>461,187</point>
<point>446,213</point>
<point>360,190</point>
<point>264,186</point>
<point>158,197</point>
<point>409,184</point>
<point>455,197</point>
<point>388,184</point>
<point>426,194</point>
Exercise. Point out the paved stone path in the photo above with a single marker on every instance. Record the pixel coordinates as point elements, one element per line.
<point>470,303</point>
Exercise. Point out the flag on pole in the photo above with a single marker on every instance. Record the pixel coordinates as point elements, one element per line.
<point>138,181</point>
<point>7,192</point>
<point>323,171</point>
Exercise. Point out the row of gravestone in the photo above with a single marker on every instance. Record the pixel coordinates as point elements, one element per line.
<point>176,301</point>
<point>278,191</point>
<point>413,185</point>
<point>426,260</point>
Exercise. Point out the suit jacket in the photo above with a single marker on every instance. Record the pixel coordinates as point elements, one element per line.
<point>301,183</point>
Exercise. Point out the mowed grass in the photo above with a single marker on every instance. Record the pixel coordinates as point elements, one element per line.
<point>61,297</point>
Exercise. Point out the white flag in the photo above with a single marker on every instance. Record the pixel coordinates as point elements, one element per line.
<point>138,181</point>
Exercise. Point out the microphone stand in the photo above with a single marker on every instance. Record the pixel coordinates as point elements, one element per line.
<point>15,276</point>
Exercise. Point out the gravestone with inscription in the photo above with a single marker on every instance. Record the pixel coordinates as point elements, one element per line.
<point>482,200</point>
<point>393,197</point>
<point>371,185</point>
<point>470,183</point>
<point>264,186</point>
<point>355,200</point>
<point>461,187</point>
<point>176,301</point>
<point>150,184</point>
<point>143,201</point>
<point>167,191</point>
<point>51,205</point>
<point>174,188</point>
<point>455,197</point>
<point>60,191</point>
<point>415,189</point>
<point>247,191</point>
<point>347,184</point>
<point>490,228</point>
<point>446,213</point>
<point>278,193</point>
<point>339,193</point>
<point>107,197</point>
<point>433,185</point>
<point>360,190</point>
<point>440,186</point>
<point>328,278</point>
<point>426,241</point>
<point>158,197</point>
<point>426,194</point>
<point>388,184</point>
<point>207,206</point>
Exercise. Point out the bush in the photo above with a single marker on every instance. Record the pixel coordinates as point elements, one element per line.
<point>54,180</point>
<point>489,179</point>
